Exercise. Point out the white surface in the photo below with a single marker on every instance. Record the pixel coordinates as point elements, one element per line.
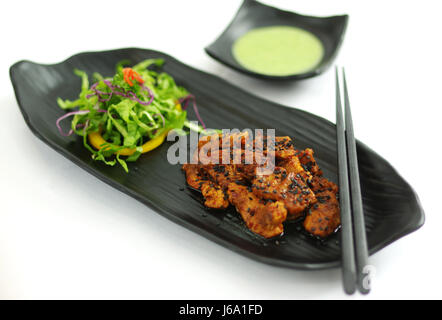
<point>107,245</point>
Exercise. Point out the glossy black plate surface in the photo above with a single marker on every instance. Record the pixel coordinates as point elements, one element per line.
<point>252,14</point>
<point>391,207</point>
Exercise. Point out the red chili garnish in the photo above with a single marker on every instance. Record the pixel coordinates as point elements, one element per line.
<point>129,74</point>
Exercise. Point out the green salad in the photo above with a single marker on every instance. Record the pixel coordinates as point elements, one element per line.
<point>120,118</point>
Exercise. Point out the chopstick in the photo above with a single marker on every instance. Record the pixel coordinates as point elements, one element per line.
<point>353,239</point>
<point>360,238</point>
<point>347,245</point>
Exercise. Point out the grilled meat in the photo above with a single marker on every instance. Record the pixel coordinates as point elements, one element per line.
<point>294,189</point>
<point>308,162</point>
<point>289,188</point>
<point>262,217</point>
<point>324,216</point>
<point>194,177</point>
<point>214,196</point>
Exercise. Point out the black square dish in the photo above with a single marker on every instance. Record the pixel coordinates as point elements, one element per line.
<point>252,14</point>
<point>391,207</point>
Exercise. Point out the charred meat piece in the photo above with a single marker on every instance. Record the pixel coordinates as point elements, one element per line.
<point>308,162</point>
<point>194,177</point>
<point>246,171</point>
<point>222,174</point>
<point>262,217</point>
<point>290,188</point>
<point>324,216</point>
<point>293,165</point>
<point>214,196</point>
<point>226,146</point>
<point>284,148</point>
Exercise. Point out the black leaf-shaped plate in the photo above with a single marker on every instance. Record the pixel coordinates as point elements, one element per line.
<point>391,206</point>
<point>252,14</point>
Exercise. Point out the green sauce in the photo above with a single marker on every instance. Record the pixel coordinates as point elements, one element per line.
<point>278,50</point>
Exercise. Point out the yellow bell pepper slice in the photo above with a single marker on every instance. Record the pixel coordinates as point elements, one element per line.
<point>97,141</point>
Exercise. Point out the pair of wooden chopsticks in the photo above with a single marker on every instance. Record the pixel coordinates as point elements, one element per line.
<point>353,238</point>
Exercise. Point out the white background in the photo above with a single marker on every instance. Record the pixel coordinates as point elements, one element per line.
<point>104,244</point>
